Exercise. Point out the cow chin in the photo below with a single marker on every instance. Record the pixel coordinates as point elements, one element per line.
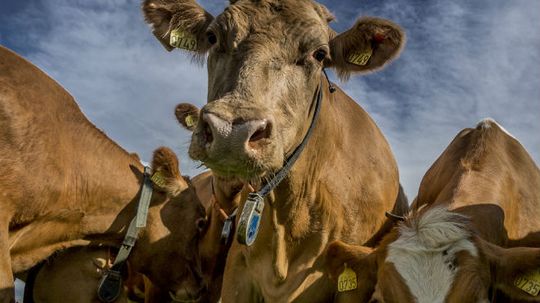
<point>184,295</point>
<point>247,165</point>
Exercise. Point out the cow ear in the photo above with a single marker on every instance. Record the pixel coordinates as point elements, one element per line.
<point>187,115</point>
<point>362,260</point>
<point>367,46</point>
<point>514,268</point>
<point>178,23</point>
<point>166,173</point>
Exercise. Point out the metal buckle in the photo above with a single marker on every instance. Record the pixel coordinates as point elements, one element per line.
<point>110,286</point>
<point>250,220</point>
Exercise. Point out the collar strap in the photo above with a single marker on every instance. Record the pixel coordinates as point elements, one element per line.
<point>110,284</point>
<point>250,219</point>
<point>228,220</point>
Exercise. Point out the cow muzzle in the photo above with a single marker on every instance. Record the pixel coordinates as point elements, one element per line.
<point>243,135</point>
<point>232,145</point>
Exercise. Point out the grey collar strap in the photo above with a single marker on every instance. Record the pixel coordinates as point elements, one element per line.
<point>250,219</point>
<point>110,285</point>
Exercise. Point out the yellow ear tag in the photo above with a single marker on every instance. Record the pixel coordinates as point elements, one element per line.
<point>347,280</point>
<point>190,122</point>
<point>158,179</point>
<point>360,58</point>
<point>529,283</point>
<point>183,39</point>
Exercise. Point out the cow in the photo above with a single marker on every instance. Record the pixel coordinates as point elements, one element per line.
<point>64,183</point>
<point>476,212</point>
<point>266,86</point>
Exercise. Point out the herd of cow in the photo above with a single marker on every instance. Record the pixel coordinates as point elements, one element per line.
<point>301,203</point>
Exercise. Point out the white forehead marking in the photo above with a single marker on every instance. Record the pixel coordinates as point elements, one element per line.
<point>424,251</point>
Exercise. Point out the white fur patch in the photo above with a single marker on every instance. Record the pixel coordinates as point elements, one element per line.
<point>487,122</point>
<point>424,253</point>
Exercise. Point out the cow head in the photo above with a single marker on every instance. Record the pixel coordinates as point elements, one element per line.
<point>167,251</point>
<point>264,61</point>
<point>432,257</point>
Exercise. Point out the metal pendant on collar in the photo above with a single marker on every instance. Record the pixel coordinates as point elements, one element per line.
<point>228,228</point>
<point>250,219</point>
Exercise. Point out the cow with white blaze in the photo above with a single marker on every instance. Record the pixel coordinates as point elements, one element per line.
<point>473,234</point>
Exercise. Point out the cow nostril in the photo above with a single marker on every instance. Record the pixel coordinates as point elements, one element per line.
<point>207,132</point>
<point>263,132</point>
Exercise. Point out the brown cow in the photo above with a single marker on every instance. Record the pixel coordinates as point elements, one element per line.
<point>64,184</point>
<point>265,70</point>
<point>82,267</point>
<point>482,194</point>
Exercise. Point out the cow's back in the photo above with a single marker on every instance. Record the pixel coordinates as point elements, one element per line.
<point>43,140</point>
<point>489,168</point>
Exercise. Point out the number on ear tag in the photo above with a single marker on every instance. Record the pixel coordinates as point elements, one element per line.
<point>360,58</point>
<point>190,122</point>
<point>158,179</point>
<point>529,283</point>
<point>347,280</point>
<point>183,39</point>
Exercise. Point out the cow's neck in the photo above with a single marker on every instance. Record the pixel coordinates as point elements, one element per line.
<point>292,201</point>
<point>111,179</point>
<point>301,183</point>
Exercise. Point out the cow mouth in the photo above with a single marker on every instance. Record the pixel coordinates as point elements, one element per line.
<point>186,297</point>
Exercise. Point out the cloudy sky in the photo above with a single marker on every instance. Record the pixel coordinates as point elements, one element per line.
<point>464,60</point>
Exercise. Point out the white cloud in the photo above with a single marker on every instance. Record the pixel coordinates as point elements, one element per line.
<point>462,62</point>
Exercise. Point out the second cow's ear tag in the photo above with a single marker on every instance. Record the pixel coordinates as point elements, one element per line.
<point>360,57</point>
<point>158,179</point>
<point>529,282</point>
<point>190,122</point>
<point>182,39</point>
<point>347,280</point>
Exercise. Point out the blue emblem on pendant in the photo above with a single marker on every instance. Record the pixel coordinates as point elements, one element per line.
<point>249,223</point>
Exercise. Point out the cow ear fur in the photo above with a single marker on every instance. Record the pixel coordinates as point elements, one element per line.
<point>186,16</point>
<point>368,46</point>
<point>166,173</point>
<point>362,260</point>
<point>187,115</point>
<point>510,264</point>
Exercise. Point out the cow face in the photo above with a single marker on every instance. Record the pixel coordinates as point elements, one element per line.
<point>432,258</point>
<point>264,63</point>
<point>167,252</point>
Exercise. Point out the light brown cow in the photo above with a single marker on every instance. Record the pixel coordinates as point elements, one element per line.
<point>482,194</point>
<point>64,184</point>
<point>265,68</point>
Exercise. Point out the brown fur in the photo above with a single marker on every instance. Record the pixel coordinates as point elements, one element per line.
<point>263,66</point>
<point>488,176</point>
<point>66,184</point>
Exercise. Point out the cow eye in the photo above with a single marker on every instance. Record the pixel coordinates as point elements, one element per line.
<point>212,39</point>
<point>319,55</point>
<point>201,224</point>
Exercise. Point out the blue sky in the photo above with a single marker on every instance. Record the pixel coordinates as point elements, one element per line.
<point>464,60</point>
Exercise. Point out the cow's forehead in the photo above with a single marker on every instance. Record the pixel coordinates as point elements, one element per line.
<point>425,253</point>
<point>294,19</point>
